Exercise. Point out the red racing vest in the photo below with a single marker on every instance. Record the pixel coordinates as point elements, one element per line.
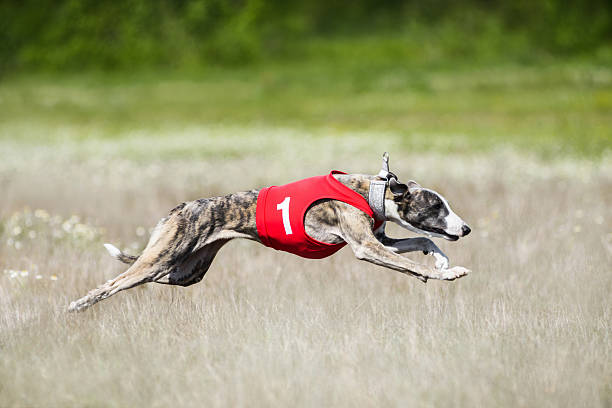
<point>281,210</point>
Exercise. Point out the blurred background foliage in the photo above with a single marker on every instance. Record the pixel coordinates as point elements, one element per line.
<point>60,35</point>
<point>441,75</point>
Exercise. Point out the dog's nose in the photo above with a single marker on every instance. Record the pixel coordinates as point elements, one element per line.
<point>465,230</point>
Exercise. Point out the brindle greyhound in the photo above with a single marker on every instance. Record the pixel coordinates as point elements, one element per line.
<point>183,244</point>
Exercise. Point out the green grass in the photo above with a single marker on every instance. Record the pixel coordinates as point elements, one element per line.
<point>554,109</point>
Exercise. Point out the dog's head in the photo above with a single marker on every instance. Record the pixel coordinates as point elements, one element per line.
<point>420,210</point>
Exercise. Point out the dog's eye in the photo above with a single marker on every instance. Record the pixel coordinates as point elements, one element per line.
<point>437,207</point>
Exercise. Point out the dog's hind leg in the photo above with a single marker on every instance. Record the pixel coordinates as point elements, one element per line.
<point>150,266</point>
<point>137,274</point>
<point>183,244</point>
<point>195,267</point>
<point>155,266</point>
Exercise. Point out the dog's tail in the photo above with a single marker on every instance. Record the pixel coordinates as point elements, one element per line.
<point>117,254</point>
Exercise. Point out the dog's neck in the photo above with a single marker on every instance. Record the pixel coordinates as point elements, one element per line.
<point>360,183</point>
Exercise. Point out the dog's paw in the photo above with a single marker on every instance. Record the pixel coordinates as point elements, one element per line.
<point>78,306</point>
<point>455,272</point>
<point>74,307</point>
<point>441,260</point>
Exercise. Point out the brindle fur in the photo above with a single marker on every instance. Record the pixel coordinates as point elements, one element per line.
<point>184,244</point>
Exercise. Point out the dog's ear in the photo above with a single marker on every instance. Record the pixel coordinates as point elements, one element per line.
<point>413,186</point>
<point>398,189</point>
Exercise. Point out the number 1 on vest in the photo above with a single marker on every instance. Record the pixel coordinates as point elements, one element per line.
<point>283,207</point>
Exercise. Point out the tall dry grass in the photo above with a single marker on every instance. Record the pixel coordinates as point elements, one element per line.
<point>529,327</point>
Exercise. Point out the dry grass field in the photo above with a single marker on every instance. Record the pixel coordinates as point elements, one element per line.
<point>531,326</point>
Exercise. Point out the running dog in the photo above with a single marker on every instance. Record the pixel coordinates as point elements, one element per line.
<point>312,218</point>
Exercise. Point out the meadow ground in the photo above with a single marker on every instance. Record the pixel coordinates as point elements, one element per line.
<point>84,164</point>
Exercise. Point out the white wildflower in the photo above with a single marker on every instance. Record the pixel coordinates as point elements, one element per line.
<point>42,214</point>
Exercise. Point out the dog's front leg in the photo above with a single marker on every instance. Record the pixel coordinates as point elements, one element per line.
<point>400,246</point>
<point>356,230</point>
<point>375,252</point>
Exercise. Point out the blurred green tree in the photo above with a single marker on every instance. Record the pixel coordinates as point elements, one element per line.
<point>102,34</point>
